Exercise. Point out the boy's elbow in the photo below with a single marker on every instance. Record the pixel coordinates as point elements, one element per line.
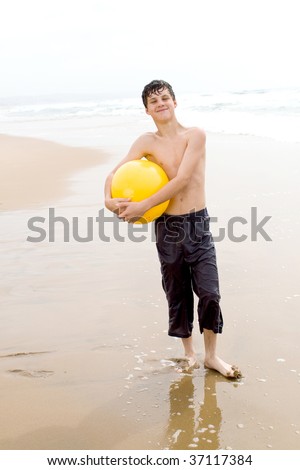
<point>183,181</point>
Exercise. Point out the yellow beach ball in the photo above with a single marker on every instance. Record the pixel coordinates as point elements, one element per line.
<point>137,180</point>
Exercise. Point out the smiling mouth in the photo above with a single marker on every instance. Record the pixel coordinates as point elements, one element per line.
<point>160,110</point>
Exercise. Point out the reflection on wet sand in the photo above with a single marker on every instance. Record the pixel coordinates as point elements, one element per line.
<point>193,424</point>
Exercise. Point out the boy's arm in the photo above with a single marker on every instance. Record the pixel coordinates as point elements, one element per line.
<point>136,152</point>
<point>195,150</point>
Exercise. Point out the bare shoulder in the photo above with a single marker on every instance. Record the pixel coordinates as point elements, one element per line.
<point>147,137</point>
<point>196,135</point>
<point>141,144</point>
<point>144,140</point>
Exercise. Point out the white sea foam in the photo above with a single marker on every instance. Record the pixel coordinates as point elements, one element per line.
<point>265,113</point>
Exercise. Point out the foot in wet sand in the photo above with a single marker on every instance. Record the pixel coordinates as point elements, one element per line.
<point>186,364</point>
<point>189,362</point>
<point>229,371</point>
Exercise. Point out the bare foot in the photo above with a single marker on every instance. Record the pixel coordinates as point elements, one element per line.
<point>186,364</point>
<point>230,372</point>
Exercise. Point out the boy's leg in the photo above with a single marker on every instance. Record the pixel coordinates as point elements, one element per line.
<point>212,361</point>
<point>189,352</point>
<point>177,284</point>
<point>206,286</point>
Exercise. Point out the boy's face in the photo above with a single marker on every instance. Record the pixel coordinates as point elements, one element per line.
<point>160,105</point>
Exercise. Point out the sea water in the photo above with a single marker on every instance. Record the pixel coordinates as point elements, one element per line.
<point>92,119</point>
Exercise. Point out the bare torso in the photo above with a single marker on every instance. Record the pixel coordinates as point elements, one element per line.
<point>167,153</point>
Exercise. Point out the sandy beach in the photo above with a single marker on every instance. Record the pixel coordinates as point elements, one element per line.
<point>85,360</point>
<point>34,171</point>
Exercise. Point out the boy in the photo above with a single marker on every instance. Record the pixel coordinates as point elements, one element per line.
<point>185,247</point>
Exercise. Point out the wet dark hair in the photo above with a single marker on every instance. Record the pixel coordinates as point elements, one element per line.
<point>156,86</point>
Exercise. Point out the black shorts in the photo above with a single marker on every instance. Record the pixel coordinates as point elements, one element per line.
<point>188,264</point>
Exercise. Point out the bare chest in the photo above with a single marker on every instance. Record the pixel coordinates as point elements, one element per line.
<point>168,154</point>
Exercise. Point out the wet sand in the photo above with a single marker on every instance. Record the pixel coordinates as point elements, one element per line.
<point>84,355</point>
<point>34,171</point>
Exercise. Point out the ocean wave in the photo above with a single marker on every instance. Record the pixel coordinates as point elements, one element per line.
<point>270,113</point>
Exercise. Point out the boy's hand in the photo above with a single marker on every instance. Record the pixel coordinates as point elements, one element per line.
<point>131,211</point>
<point>112,203</point>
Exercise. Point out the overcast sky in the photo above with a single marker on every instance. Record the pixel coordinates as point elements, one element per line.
<point>116,46</point>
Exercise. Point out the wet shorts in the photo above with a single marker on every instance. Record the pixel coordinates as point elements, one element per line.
<point>188,265</point>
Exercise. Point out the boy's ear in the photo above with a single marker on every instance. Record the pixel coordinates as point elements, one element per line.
<point>146,111</point>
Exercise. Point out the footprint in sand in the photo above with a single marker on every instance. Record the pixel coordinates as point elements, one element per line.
<point>32,373</point>
<point>18,354</point>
